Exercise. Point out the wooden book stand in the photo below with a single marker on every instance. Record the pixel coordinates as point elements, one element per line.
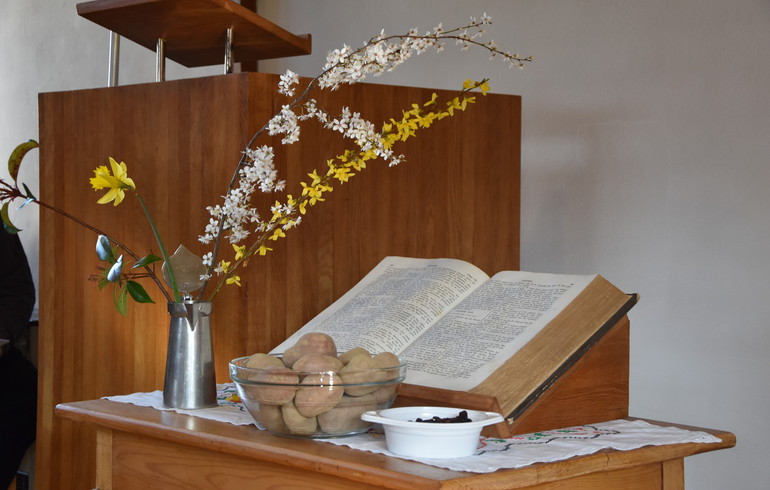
<point>594,389</point>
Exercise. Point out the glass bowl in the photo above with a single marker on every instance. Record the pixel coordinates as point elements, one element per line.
<point>314,404</point>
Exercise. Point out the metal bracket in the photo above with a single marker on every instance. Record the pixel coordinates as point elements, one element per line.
<point>160,60</point>
<point>114,63</point>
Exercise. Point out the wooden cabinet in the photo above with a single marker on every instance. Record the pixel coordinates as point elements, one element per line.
<point>457,195</point>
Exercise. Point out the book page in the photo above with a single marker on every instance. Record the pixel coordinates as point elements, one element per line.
<point>393,304</point>
<point>488,327</point>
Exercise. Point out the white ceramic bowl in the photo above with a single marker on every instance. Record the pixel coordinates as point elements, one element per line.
<point>406,437</point>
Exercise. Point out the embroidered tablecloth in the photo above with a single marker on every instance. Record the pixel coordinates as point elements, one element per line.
<point>493,453</point>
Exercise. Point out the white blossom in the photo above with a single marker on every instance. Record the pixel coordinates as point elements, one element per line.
<point>287,80</point>
<point>285,122</point>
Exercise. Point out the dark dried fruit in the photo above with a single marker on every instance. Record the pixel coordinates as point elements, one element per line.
<point>461,417</point>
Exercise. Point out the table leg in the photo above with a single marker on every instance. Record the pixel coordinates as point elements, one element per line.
<point>104,459</point>
<point>673,474</point>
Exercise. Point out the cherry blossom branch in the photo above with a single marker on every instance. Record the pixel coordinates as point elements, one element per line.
<point>381,54</point>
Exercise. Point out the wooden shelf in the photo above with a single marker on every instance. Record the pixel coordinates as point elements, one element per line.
<point>195,30</point>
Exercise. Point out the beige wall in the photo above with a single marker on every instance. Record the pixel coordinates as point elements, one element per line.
<point>646,148</point>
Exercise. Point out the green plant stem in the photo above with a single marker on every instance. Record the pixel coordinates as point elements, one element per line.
<point>159,240</point>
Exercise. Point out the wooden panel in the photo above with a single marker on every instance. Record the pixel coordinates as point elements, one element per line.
<point>142,462</point>
<point>456,196</point>
<point>645,477</point>
<point>195,30</point>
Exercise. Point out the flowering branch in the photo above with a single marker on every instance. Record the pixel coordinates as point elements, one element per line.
<point>235,218</point>
<point>256,169</point>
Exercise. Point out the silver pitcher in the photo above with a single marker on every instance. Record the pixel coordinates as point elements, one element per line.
<point>190,378</point>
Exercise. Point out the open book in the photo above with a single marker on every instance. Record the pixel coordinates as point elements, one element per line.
<point>458,329</point>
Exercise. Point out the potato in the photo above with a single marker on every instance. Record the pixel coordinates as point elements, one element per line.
<point>346,416</point>
<point>386,360</point>
<point>271,418</point>
<point>347,356</point>
<point>316,363</point>
<point>313,342</point>
<point>318,393</point>
<point>276,394</point>
<point>359,370</point>
<point>263,361</point>
<point>385,392</point>
<point>296,422</point>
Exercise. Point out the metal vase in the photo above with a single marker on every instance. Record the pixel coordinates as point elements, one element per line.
<point>190,379</point>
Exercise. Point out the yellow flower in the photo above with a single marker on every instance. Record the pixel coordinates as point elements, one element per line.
<point>240,251</point>
<point>277,233</point>
<point>234,280</point>
<point>315,177</point>
<point>340,173</point>
<point>223,267</point>
<point>432,100</point>
<point>117,182</point>
<point>263,250</point>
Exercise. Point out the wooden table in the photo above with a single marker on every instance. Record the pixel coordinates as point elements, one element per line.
<point>139,447</point>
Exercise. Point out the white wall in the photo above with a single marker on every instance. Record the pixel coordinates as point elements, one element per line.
<point>646,141</point>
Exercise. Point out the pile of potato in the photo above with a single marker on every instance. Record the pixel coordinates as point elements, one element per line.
<point>306,391</point>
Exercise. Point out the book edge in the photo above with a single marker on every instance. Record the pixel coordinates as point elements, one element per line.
<point>573,359</point>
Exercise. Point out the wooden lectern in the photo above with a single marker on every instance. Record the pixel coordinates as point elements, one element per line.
<point>457,195</point>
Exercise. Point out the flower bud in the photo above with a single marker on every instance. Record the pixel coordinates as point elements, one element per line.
<point>103,249</point>
<point>115,270</point>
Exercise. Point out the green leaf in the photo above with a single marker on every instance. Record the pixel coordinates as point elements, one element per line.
<point>17,155</point>
<point>138,293</point>
<point>145,261</point>
<point>9,227</point>
<point>121,300</point>
<point>103,283</point>
<point>29,192</point>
